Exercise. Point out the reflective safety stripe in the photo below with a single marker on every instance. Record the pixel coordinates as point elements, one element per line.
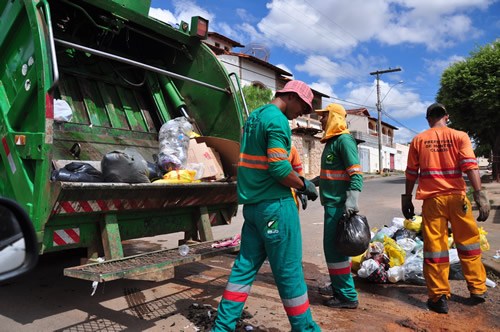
<point>411,173</point>
<point>296,306</point>
<point>236,292</point>
<point>251,161</point>
<point>339,268</point>
<point>436,257</point>
<point>328,174</point>
<point>448,173</point>
<point>276,154</point>
<point>473,249</point>
<point>354,169</point>
<point>468,163</point>
<point>297,168</point>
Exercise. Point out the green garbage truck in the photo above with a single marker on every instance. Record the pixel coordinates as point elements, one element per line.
<point>122,75</point>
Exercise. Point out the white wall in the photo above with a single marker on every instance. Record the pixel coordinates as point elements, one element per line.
<point>356,122</point>
<point>252,72</point>
<point>248,71</point>
<point>402,156</point>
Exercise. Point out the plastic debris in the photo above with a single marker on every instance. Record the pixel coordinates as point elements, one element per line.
<point>94,287</point>
<point>490,283</point>
<point>234,241</point>
<point>183,250</point>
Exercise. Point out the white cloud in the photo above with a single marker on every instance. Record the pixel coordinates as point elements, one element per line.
<point>323,88</point>
<point>336,27</point>
<point>183,11</point>
<point>245,16</point>
<point>332,71</point>
<point>284,67</point>
<point>437,66</point>
<point>398,102</point>
<point>403,136</point>
<point>162,15</point>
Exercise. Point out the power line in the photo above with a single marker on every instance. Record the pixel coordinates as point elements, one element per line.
<point>399,123</point>
<point>333,22</point>
<point>304,50</point>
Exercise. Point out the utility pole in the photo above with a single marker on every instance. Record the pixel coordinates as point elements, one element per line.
<point>379,111</point>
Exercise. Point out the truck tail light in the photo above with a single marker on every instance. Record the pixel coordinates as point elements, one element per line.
<point>199,27</point>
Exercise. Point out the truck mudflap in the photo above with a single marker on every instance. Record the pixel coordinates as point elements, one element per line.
<point>78,197</point>
<point>154,266</point>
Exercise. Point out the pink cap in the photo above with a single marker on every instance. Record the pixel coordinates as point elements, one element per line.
<point>301,89</point>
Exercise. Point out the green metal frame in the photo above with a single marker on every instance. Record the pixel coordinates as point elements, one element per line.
<point>107,116</point>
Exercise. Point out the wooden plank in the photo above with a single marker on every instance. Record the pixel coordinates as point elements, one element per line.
<point>204,226</point>
<point>135,122</point>
<point>70,92</point>
<point>112,105</point>
<point>111,237</point>
<point>93,102</point>
<point>145,112</point>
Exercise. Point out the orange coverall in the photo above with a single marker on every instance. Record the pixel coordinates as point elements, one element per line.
<point>438,157</point>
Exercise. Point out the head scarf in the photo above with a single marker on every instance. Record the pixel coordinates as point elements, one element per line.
<point>336,124</point>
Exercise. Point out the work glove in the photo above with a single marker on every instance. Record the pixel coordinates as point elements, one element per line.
<point>315,181</point>
<point>309,189</point>
<point>303,200</point>
<point>351,203</point>
<point>407,206</point>
<point>483,204</point>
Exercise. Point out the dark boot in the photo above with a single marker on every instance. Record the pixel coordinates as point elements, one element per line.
<point>439,306</point>
<point>478,298</point>
<point>335,302</point>
<point>326,290</point>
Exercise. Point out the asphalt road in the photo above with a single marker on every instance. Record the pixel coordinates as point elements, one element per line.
<point>380,202</point>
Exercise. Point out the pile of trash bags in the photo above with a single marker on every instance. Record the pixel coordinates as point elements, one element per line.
<point>129,166</point>
<point>395,253</point>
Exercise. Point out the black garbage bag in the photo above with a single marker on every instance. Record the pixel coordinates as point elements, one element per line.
<point>77,172</point>
<point>125,166</point>
<point>403,233</point>
<point>155,173</point>
<point>353,235</point>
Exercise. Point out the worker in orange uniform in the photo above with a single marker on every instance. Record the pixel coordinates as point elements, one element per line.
<point>294,159</point>
<point>437,158</point>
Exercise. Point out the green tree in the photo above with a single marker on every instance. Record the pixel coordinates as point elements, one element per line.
<point>470,90</point>
<point>256,96</point>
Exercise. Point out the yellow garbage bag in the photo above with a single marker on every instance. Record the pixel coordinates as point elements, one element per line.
<point>356,262</point>
<point>179,176</point>
<point>414,224</point>
<point>394,251</point>
<point>485,246</point>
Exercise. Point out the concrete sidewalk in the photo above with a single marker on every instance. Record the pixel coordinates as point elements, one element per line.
<point>492,226</point>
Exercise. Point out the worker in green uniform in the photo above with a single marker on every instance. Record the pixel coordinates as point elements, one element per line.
<point>340,183</point>
<point>271,227</point>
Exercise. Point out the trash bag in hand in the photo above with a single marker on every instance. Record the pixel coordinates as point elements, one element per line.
<point>353,235</point>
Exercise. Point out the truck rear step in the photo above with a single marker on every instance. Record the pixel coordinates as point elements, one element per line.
<point>157,265</point>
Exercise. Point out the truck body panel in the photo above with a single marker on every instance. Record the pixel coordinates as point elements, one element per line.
<point>123,74</point>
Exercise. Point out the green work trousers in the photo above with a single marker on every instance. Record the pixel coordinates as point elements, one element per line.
<point>271,230</point>
<point>339,266</point>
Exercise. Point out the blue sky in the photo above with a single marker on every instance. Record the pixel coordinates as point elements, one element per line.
<point>333,45</point>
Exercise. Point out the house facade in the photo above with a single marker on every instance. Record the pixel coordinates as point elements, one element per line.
<point>364,128</point>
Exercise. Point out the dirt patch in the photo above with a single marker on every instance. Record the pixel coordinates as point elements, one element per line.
<point>383,307</point>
